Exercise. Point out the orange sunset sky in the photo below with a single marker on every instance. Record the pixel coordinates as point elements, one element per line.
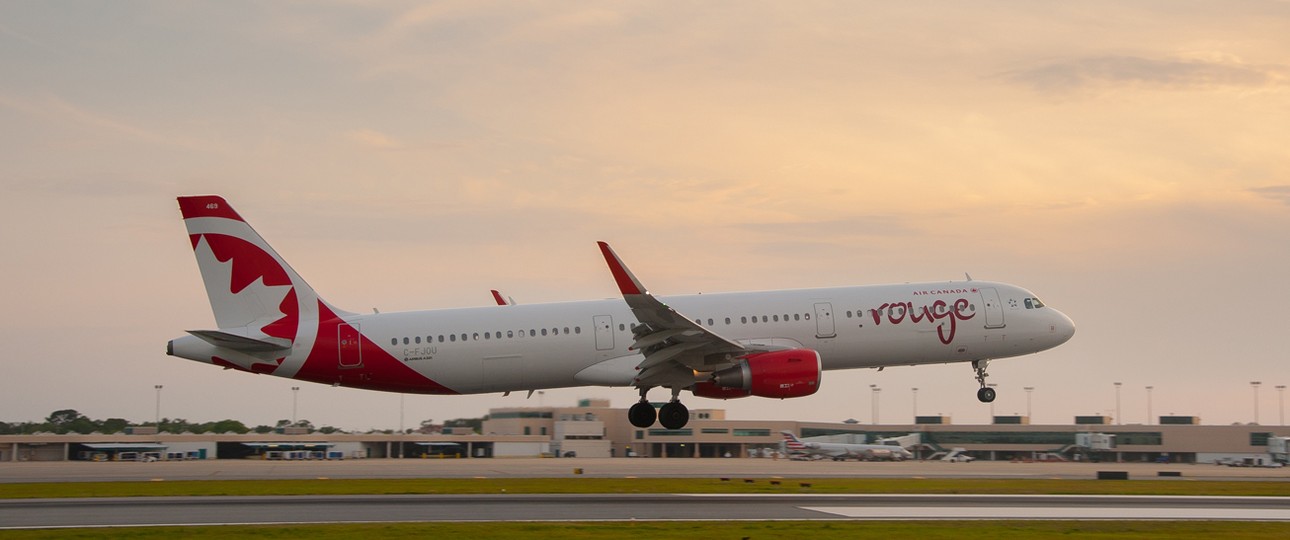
<point>1128,162</point>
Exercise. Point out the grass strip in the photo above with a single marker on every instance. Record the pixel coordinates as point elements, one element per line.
<point>638,485</point>
<point>815,530</point>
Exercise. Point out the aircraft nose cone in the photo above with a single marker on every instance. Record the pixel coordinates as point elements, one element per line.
<point>1063,327</point>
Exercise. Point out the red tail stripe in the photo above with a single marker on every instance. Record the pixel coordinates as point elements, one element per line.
<point>207,206</point>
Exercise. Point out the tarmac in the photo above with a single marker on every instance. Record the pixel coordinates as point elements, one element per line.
<point>251,469</point>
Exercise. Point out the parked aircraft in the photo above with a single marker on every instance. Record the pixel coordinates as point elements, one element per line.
<point>841,451</point>
<point>772,344</point>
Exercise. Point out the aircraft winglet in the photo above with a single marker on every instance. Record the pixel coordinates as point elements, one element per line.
<point>627,283</point>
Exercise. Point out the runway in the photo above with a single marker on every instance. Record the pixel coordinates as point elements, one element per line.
<point>158,511</point>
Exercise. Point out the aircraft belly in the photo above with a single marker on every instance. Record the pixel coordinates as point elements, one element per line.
<point>504,372</point>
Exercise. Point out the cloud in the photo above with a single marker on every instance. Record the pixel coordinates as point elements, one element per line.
<point>1163,74</point>
<point>374,139</point>
<point>1276,193</point>
<point>57,109</point>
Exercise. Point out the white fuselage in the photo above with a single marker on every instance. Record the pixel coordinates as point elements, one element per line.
<point>525,347</point>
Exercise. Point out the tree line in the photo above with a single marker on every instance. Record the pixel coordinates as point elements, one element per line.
<point>65,421</point>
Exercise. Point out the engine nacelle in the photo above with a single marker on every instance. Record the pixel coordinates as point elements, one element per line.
<point>778,374</point>
<point>709,389</point>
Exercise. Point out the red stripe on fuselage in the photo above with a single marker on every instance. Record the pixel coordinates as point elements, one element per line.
<point>378,370</point>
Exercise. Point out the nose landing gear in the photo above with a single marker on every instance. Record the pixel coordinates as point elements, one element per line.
<point>985,394</point>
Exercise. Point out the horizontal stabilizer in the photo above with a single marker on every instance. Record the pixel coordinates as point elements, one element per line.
<point>241,343</point>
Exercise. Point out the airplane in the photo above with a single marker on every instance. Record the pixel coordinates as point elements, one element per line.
<point>774,344</point>
<point>840,451</point>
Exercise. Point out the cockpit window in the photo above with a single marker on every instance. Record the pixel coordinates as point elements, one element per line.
<point>1033,303</point>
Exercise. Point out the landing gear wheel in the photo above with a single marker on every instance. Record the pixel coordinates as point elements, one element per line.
<point>985,395</point>
<point>642,414</point>
<point>673,415</point>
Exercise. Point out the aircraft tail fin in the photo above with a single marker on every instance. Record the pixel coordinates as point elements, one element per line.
<point>253,291</point>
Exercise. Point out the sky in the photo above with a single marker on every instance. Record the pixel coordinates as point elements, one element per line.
<point>1126,161</point>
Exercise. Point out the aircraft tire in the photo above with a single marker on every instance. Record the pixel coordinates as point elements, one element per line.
<point>985,394</point>
<point>673,415</point>
<point>642,414</point>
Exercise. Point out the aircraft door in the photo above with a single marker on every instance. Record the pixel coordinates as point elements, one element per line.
<point>604,325</point>
<point>993,308</point>
<point>349,341</point>
<point>824,320</point>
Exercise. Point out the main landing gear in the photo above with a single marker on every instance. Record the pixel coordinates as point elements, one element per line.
<point>672,415</point>
<point>642,414</point>
<point>985,394</point>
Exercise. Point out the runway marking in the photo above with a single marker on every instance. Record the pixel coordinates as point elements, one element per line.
<point>1047,513</point>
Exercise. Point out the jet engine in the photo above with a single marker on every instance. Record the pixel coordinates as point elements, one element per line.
<point>777,374</point>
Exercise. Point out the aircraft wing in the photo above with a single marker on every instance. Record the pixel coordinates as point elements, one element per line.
<point>674,345</point>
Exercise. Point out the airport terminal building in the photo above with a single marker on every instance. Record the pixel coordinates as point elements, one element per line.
<point>593,429</point>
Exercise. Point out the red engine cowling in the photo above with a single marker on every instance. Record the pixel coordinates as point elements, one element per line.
<point>778,374</point>
<point>709,389</point>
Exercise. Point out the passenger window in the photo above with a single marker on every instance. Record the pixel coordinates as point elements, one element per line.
<point>577,329</point>
<point>510,333</point>
<point>566,330</point>
<point>532,332</point>
<point>418,340</point>
<point>727,320</point>
<point>743,320</point>
<point>848,314</point>
<point>797,316</point>
<point>405,341</point>
<point>463,337</point>
<point>452,337</point>
<point>487,335</point>
<point>765,318</point>
<point>544,331</point>
<point>621,327</point>
<point>394,341</point>
<point>807,316</point>
<point>777,318</point>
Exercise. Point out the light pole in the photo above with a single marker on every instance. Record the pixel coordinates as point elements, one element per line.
<point>1028,390</point>
<point>1149,417</point>
<point>158,388</point>
<point>295,393</point>
<point>1117,403</point>
<point>874,388</point>
<point>915,390</point>
<point>1281,403</point>
<point>1255,385</point>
